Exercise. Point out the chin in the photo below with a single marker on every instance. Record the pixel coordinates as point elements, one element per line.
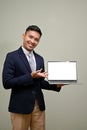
<point>30,49</point>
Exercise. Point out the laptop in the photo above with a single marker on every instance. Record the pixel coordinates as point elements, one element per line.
<point>62,72</point>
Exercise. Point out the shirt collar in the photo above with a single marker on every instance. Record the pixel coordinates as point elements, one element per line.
<point>26,52</point>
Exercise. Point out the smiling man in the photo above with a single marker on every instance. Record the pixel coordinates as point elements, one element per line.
<point>23,73</point>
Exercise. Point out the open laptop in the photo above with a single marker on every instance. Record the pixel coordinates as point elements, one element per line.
<point>62,72</point>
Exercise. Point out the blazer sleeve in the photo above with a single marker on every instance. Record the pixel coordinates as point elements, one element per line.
<point>9,78</point>
<point>45,85</point>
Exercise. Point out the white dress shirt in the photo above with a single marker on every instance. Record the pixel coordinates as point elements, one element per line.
<point>26,52</point>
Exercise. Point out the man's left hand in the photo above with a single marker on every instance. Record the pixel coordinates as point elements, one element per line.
<point>60,85</point>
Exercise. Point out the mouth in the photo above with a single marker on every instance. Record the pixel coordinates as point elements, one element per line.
<point>30,45</point>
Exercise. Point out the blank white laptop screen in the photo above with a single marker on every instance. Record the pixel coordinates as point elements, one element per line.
<point>62,72</point>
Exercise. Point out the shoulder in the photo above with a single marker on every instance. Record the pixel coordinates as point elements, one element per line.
<point>13,53</point>
<point>38,55</point>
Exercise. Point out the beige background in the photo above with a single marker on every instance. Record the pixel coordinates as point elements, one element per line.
<point>64,27</point>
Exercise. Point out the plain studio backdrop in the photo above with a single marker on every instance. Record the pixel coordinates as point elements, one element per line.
<point>64,27</point>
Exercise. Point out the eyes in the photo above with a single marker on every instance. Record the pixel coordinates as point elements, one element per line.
<point>31,37</point>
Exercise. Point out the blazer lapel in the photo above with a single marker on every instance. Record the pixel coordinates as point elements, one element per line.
<point>24,59</point>
<point>37,61</point>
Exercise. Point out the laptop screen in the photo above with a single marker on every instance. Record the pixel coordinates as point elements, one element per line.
<point>59,70</point>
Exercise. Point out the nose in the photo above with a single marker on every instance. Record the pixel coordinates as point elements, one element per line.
<point>32,40</point>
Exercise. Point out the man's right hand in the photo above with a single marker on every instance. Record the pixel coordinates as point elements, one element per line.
<point>39,74</point>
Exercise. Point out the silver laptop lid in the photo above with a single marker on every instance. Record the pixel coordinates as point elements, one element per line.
<point>62,72</point>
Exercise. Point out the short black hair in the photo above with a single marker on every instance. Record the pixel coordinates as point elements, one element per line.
<point>34,28</point>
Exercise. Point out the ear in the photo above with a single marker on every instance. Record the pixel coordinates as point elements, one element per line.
<point>23,35</point>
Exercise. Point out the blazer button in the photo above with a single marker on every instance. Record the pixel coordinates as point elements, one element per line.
<point>33,92</point>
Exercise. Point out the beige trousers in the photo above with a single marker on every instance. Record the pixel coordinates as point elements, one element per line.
<point>34,121</point>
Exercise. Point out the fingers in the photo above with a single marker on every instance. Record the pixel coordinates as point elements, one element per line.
<point>38,71</point>
<point>60,85</point>
<point>42,74</point>
<point>39,74</point>
<point>45,74</point>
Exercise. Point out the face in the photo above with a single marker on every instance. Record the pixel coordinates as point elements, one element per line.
<point>30,40</point>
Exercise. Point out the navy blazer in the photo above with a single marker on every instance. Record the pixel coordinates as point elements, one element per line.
<point>24,89</point>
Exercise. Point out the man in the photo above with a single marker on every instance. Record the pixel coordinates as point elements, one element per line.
<point>24,75</point>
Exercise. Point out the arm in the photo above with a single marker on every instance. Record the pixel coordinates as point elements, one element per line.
<point>10,77</point>
<point>41,75</point>
<point>45,85</point>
